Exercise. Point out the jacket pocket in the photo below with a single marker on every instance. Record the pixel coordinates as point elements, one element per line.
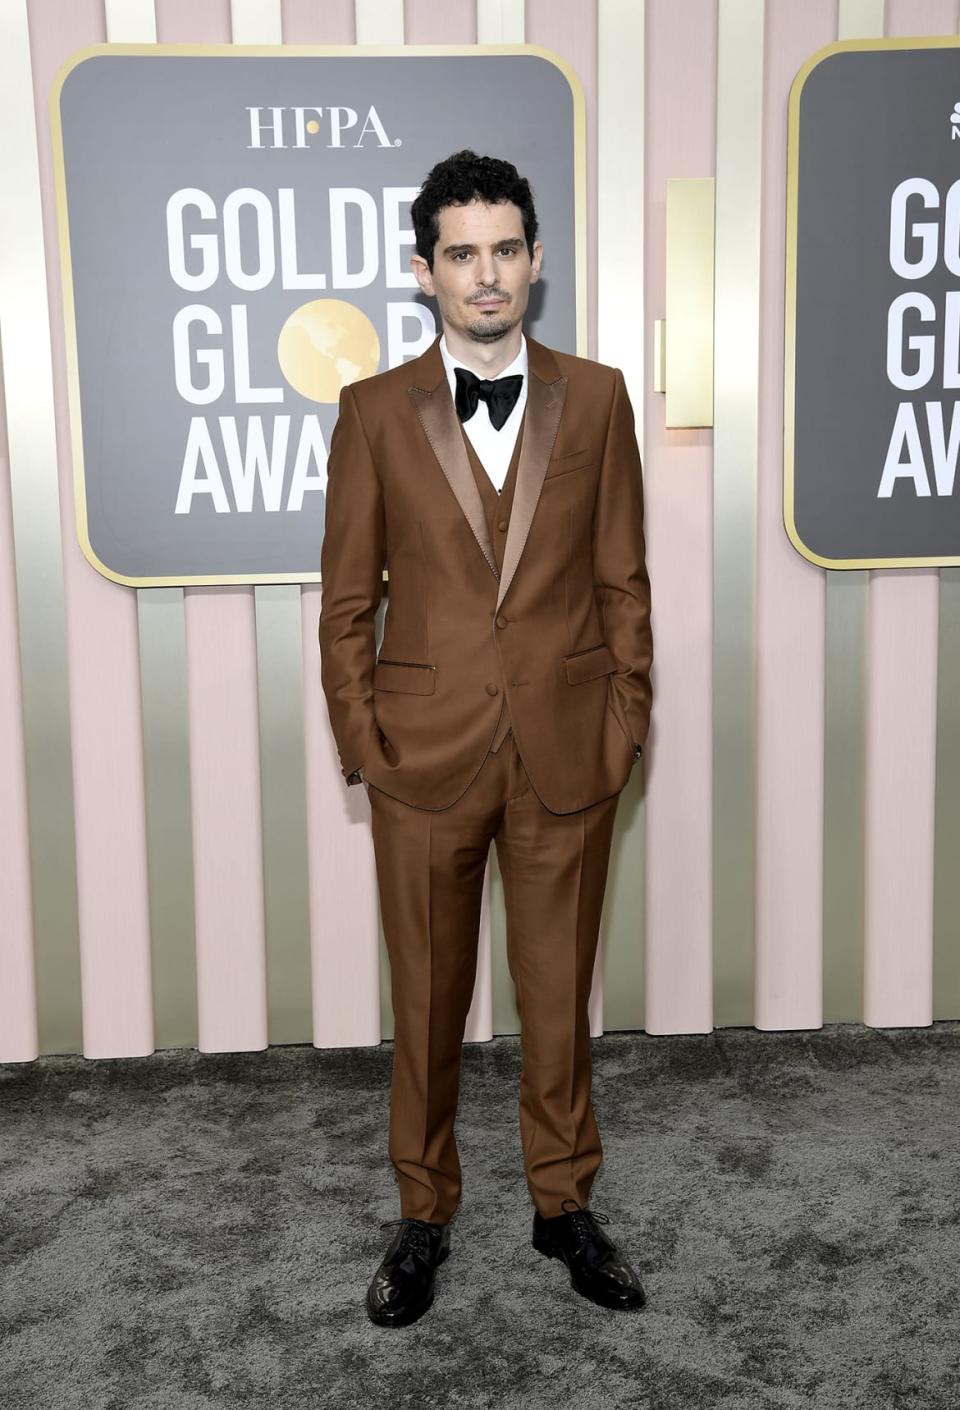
<point>588,664</point>
<point>575,460</point>
<point>412,677</point>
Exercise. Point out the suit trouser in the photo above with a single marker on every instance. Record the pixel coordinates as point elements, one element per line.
<point>430,869</point>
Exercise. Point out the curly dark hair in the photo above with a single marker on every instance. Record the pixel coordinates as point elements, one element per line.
<point>462,178</point>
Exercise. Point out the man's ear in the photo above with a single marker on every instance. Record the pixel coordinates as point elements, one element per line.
<point>536,261</point>
<point>421,272</point>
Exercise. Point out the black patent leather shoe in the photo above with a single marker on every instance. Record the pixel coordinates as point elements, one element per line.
<point>598,1269</point>
<point>403,1286</point>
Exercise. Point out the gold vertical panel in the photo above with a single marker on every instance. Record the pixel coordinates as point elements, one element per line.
<point>256,21</point>
<point>622,928</point>
<point>166,763</point>
<point>659,372</point>
<point>946,892</point>
<point>689,305</point>
<point>500,22</point>
<point>29,397</point>
<point>621,68</point>
<point>946,876</point>
<point>282,736</point>
<point>284,808</point>
<point>738,208</point>
<point>386,978</point>
<point>386,999</point>
<point>506,1016</point>
<point>860,19</point>
<point>130,21</point>
<point>845,726</point>
<point>946,873</point>
<point>844,823</point>
<point>379,21</point>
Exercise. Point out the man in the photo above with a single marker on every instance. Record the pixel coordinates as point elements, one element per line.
<point>500,484</point>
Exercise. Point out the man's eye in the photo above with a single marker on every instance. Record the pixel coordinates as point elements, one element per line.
<point>462,254</point>
<point>508,250</point>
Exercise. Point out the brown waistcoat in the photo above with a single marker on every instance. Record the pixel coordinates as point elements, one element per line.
<point>497,506</point>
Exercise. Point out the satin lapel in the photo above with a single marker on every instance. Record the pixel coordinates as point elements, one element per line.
<point>544,408</point>
<point>438,416</point>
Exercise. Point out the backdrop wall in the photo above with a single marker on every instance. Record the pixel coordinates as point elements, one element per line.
<point>171,875</point>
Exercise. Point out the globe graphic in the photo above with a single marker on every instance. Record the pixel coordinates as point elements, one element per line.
<point>324,346</point>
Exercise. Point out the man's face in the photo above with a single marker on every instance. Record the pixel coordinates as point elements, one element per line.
<point>482,270</point>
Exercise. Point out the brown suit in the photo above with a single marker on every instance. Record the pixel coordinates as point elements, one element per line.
<point>523,618</point>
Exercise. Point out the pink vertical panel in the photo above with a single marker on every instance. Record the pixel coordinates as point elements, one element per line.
<point>103,670</point>
<point>186,22</point>
<point>307,22</point>
<point>791,604</point>
<point>569,28</point>
<point>223,717</point>
<point>344,909</point>
<point>681,142</point>
<point>454,22</point>
<point>18,996</point>
<point>901,740</point>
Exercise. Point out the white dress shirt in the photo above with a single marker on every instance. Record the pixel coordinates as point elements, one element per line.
<point>494,448</point>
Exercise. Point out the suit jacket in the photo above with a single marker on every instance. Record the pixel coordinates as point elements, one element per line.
<point>551,623</point>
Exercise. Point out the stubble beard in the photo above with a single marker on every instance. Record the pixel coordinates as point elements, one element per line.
<point>488,329</point>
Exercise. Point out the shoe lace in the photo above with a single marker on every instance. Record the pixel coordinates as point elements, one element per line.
<point>418,1236</point>
<point>584,1220</point>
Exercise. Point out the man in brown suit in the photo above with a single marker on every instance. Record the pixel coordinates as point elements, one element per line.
<point>500,484</point>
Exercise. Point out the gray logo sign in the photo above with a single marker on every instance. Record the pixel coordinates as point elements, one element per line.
<point>235,239</point>
<point>872,432</point>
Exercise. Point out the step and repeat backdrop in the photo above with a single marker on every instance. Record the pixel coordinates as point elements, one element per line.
<point>205,234</point>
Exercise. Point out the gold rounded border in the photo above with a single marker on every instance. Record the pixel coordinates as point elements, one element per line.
<point>840,46</point>
<point>353,51</point>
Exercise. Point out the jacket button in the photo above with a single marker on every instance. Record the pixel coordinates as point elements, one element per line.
<point>502,620</point>
<point>491,688</point>
<point>502,526</point>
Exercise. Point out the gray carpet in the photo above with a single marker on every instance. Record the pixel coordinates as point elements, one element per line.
<point>191,1232</point>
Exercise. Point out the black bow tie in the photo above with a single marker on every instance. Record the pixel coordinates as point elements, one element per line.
<point>500,395</point>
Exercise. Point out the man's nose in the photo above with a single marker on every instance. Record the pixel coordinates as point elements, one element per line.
<point>486,273</point>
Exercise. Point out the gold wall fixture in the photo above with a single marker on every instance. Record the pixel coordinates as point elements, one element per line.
<point>659,354</point>
<point>683,341</point>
